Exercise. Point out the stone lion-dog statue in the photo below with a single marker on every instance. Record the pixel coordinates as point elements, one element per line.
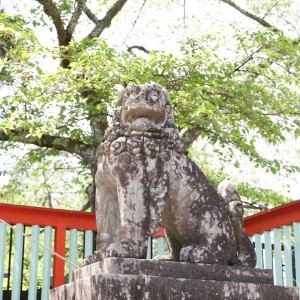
<point>145,178</point>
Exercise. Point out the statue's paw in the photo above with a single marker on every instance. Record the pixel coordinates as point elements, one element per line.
<point>97,256</point>
<point>87,261</point>
<point>164,257</point>
<point>247,258</point>
<point>125,248</point>
<point>197,254</point>
<point>118,250</point>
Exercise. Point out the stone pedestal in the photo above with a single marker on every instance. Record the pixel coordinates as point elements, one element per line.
<point>127,278</point>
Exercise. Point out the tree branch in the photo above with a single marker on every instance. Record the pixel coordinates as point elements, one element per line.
<point>106,21</point>
<point>90,15</point>
<point>86,206</point>
<point>139,48</point>
<point>248,58</point>
<point>254,205</point>
<point>270,9</point>
<point>52,11</point>
<point>190,135</point>
<point>134,22</point>
<point>64,35</point>
<point>74,19</point>
<point>261,21</point>
<point>51,142</point>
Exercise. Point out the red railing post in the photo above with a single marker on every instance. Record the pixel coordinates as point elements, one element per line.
<point>58,263</point>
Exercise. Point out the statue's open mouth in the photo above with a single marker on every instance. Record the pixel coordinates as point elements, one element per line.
<point>147,115</point>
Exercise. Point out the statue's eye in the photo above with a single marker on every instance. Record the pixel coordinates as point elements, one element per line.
<point>131,96</point>
<point>153,95</point>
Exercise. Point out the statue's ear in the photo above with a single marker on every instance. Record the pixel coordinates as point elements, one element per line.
<point>119,102</point>
<point>167,95</point>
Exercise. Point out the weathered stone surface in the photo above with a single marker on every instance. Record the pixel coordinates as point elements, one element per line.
<point>134,287</point>
<point>145,178</point>
<point>235,210</point>
<point>126,278</point>
<point>216,272</point>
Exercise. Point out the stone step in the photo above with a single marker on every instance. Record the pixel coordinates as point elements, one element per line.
<point>137,287</point>
<point>174,269</point>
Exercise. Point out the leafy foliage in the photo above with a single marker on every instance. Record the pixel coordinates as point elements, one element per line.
<point>40,181</point>
<point>232,101</point>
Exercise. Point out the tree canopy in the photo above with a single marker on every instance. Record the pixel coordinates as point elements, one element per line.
<point>233,87</point>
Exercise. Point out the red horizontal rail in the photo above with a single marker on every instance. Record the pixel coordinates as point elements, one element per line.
<point>30,215</point>
<point>275,217</point>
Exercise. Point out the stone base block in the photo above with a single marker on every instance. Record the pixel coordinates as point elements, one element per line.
<point>174,269</point>
<point>119,278</point>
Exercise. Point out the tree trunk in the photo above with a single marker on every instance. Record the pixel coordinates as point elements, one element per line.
<point>98,125</point>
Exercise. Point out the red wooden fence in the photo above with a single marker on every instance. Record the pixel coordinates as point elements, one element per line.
<point>61,220</point>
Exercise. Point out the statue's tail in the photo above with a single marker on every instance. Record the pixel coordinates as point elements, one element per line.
<point>235,210</point>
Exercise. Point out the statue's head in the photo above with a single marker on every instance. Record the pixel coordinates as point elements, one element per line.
<point>143,110</point>
<point>143,122</point>
<point>145,107</point>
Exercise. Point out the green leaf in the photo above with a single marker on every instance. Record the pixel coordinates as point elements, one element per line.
<point>10,124</point>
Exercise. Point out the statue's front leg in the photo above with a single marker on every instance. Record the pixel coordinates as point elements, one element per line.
<point>133,200</point>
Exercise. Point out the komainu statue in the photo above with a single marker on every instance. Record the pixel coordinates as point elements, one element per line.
<point>145,178</point>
